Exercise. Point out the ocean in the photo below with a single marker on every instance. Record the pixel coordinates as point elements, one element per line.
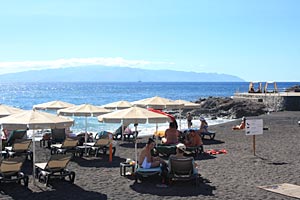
<point>25,95</point>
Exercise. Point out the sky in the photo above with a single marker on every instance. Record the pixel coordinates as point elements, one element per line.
<point>253,39</point>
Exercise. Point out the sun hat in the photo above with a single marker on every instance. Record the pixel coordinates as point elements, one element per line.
<point>202,119</point>
<point>181,146</point>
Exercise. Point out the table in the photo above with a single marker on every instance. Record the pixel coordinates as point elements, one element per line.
<point>123,169</point>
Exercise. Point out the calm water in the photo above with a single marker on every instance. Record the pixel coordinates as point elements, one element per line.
<point>25,95</point>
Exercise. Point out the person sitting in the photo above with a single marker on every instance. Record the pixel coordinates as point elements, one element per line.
<point>146,160</point>
<point>241,126</point>
<point>193,139</point>
<point>180,150</point>
<point>203,125</point>
<point>171,134</point>
<point>251,88</point>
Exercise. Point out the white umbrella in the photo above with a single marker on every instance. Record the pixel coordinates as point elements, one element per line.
<point>85,110</point>
<point>134,115</point>
<point>118,105</point>
<point>8,110</point>
<point>34,120</point>
<point>158,103</point>
<point>52,105</point>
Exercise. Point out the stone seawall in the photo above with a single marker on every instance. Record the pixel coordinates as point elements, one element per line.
<point>289,101</point>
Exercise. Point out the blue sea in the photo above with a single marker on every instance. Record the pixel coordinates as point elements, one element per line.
<point>25,95</point>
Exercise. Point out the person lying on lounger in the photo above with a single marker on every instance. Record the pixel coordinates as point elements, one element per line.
<point>241,126</point>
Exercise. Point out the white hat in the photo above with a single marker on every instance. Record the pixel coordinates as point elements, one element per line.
<point>202,119</point>
<point>181,146</point>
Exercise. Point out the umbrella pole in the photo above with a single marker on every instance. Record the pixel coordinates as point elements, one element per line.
<point>135,147</point>
<point>1,141</point>
<point>180,116</point>
<point>33,157</point>
<point>85,135</point>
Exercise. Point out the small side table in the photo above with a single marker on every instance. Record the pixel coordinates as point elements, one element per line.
<point>123,169</point>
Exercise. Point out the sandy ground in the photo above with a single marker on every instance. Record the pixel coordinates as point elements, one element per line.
<point>234,175</point>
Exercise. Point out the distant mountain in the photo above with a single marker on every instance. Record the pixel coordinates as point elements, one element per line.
<point>114,74</point>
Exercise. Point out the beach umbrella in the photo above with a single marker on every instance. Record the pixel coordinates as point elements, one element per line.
<point>52,105</point>
<point>118,105</point>
<point>133,115</point>
<point>187,104</point>
<point>158,103</point>
<point>83,110</point>
<point>8,110</point>
<point>32,119</point>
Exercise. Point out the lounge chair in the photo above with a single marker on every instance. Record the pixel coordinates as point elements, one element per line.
<point>20,147</point>
<point>182,169</point>
<point>68,145</point>
<point>210,134</point>
<point>16,135</point>
<point>142,173</point>
<point>101,145</point>
<point>56,167</point>
<point>58,136</point>
<point>165,150</point>
<point>10,171</point>
<point>197,150</point>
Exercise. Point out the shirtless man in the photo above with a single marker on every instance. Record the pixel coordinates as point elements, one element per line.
<point>146,160</point>
<point>171,134</point>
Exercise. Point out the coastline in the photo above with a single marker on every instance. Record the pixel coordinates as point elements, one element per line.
<point>235,175</point>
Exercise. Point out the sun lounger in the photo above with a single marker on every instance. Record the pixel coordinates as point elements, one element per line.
<point>16,135</point>
<point>56,167</point>
<point>10,171</point>
<point>210,134</point>
<point>165,150</point>
<point>68,145</point>
<point>20,147</point>
<point>195,151</point>
<point>100,146</point>
<point>142,173</point>
<point>182,169</point>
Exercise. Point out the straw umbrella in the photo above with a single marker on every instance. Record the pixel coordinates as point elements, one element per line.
<point>35,120</point>
<point>52,105</point>
<point>158,103</point>
<point>84,110</point>
<point>118,105</point>
<point>133,115</point>
<point>8,110</point>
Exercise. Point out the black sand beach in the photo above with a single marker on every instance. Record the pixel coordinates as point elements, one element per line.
<point>234,175</point>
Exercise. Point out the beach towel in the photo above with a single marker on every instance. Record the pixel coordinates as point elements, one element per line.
<point>216,151</point>
<point>285,189</point>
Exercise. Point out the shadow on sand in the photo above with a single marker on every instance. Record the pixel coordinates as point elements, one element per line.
<point>178,188</point>
<point>57,190</point>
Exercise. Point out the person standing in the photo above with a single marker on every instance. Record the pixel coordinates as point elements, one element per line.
<point>189,120</point>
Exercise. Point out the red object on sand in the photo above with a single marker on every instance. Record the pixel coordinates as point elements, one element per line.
<point>163,113</point>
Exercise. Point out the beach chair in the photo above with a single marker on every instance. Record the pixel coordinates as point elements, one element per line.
<point>210,134</point>
<point>19,148</point>
<point>68,145</point>
<point>195,151</point>
<point>164,150</point>
<point>182,169</point>
<point>142,173</point>
<point>16,135</point>
<point>56,167</point>
<point>100,146</point>
<point>58,135</point>
<point>10,171</point>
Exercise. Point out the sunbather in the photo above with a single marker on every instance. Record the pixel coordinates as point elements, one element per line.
<point>146,160</point>
<point>171,134</point>
<point>193,139</point>
<point>241,126</point>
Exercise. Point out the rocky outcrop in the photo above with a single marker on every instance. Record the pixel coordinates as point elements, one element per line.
<point>226,107</point>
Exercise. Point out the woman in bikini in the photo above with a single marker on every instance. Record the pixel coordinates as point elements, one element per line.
<point>146,160</point>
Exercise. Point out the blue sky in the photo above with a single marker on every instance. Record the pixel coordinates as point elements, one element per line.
<point>255,40</point>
